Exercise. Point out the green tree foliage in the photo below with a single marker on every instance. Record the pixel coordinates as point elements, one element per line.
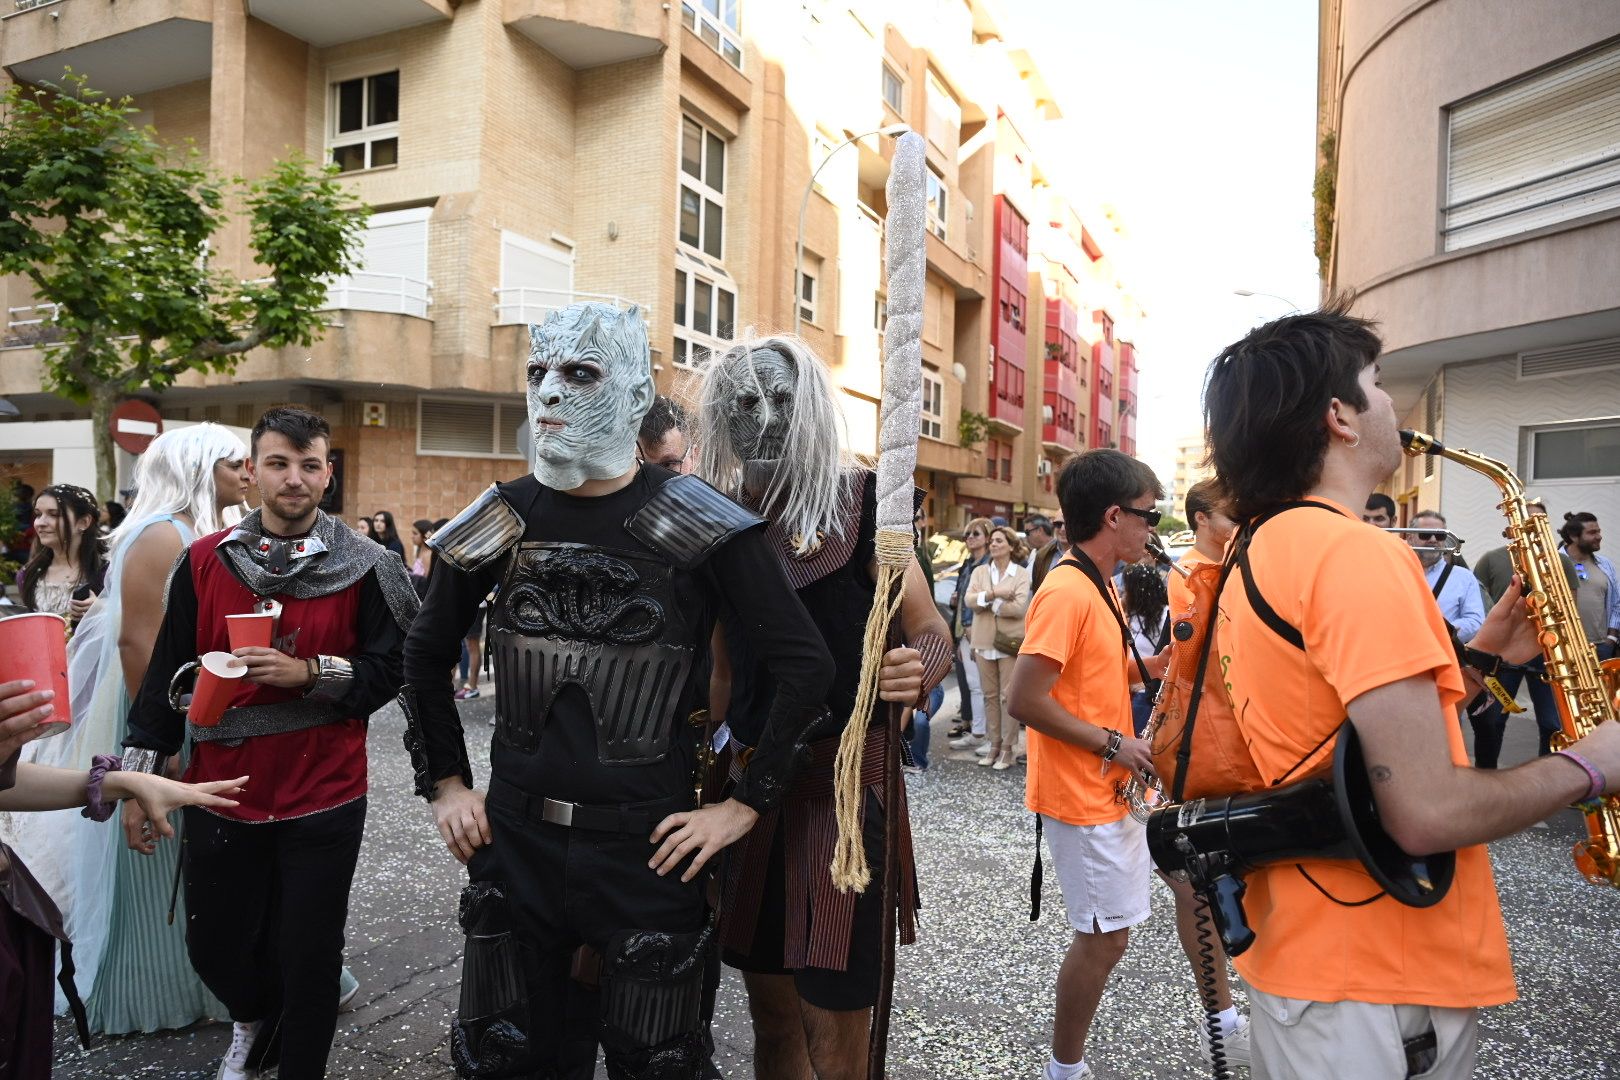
<point>1325,193</point>
<point>113,228</point>
<point>971,428</point>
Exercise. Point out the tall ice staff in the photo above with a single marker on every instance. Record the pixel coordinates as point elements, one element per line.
<point>898,425</point>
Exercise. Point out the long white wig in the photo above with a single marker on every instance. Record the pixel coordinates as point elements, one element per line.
<point>176,476</point>
<point>808,485</point>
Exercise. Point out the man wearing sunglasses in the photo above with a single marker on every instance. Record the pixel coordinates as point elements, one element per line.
<point>1458,594</point>
<point>1071,687</point>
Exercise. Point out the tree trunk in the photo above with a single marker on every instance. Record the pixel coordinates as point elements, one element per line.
<point>102,400</point>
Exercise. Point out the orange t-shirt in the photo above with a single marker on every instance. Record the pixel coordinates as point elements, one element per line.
<point>1359,599</point>
<point>1179,596</point>
<point>1068,622</point>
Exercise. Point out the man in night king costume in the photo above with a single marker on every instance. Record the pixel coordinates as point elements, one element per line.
<point>611,577</point>
<point>809,953</point>
<point>267,881</point>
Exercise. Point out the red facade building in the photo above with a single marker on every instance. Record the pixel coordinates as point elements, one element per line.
<point>1127,398</point>
<point>1062,387</point>
<point>1010,275</point>
<point>1102,383</point>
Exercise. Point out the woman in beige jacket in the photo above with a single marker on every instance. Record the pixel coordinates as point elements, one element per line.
<point>999,592</point>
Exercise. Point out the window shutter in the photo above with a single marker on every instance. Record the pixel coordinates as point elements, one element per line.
<point>397,243</point>
<point>457,427</point>
<point>1543,149</point>
<point>535,280</point>
<point>512,417</point>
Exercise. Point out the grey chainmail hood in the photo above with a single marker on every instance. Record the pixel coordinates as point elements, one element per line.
<point>332,557</point>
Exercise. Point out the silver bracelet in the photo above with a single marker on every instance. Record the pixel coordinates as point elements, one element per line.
<point>137,759</point>
<point>334,680</point>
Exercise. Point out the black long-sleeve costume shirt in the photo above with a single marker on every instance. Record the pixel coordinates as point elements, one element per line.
<point>743,578</point>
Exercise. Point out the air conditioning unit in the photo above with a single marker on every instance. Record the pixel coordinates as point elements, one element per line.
<point>374,414</point>
<point>1044,467</point>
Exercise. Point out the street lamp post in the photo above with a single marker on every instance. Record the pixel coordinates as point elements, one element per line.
<point>1253,292</point>
<point>804,204</point>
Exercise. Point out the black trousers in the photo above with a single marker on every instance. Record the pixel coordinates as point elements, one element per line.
<point>266,905</point>
<point>569,887</point>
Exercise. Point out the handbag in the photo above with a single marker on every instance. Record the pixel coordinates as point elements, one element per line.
<point>1008,643</point>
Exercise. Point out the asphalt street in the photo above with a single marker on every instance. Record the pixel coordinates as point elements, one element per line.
<point>975,994</point>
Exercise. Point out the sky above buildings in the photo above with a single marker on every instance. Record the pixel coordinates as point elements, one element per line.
<point>1197,121</point>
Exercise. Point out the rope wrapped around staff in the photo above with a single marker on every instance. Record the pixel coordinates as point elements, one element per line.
<point>898,428</point>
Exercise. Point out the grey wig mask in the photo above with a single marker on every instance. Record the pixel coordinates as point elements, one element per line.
<point>771,400</point>
<point>589,384</point>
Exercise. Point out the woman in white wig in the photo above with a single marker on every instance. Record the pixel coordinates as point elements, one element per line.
<point>132,965</point>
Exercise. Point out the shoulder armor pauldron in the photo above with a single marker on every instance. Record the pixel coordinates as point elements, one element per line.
<point>478,535</point>
<point>686,520</point>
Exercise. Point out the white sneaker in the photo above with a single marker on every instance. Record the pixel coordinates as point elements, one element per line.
<point>985,750</point>
<point>967,742</point>
<point>234,1065</point>
<point>1234,1045</point>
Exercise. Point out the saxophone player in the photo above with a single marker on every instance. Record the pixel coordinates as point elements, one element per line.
<point>1345,982</point>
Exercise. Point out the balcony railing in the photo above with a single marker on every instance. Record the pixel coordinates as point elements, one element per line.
<point>31,325</point>
<point>380,292</point>
<point>719,37</point>
<point>522,304</point>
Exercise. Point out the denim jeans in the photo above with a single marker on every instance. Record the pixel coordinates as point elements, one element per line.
<point>919,727</point>
<point>1490,722</point>
<point>1141,710</point>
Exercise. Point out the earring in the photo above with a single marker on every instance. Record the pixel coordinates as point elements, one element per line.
<point>1354,440</point>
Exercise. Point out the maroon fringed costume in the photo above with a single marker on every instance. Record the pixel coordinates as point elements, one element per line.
<point>781,912</point>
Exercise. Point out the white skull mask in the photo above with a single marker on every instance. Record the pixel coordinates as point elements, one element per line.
<point>589,384</point>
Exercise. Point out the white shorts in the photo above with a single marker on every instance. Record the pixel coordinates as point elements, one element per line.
<point>1104,871</point>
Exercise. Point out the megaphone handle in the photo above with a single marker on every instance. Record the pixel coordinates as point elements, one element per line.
<point>1225,898</point>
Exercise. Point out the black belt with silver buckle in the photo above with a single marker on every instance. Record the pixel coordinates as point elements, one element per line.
<point>626,819</point>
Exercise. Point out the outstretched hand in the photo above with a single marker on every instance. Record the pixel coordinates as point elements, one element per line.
<point>149,799</point>
<point>700,833</point>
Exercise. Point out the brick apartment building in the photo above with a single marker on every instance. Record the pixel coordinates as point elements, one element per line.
<point>522,154</point>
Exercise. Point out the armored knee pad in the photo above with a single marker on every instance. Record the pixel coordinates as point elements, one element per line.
<point>652,1004</point>
<point>489,1036</point>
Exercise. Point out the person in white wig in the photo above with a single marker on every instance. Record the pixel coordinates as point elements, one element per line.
<point>132,965</point>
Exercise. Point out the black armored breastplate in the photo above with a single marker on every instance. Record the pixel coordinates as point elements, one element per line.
<point>605,621</point>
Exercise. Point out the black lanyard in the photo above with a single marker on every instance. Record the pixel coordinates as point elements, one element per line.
<point>1089,568</point>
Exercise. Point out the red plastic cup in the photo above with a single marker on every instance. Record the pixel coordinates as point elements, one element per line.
<point>217,682</point>
<point>34,646</point>
<point>246,631</point>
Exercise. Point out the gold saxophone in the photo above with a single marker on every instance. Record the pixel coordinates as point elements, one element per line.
<point>1584,689</point>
